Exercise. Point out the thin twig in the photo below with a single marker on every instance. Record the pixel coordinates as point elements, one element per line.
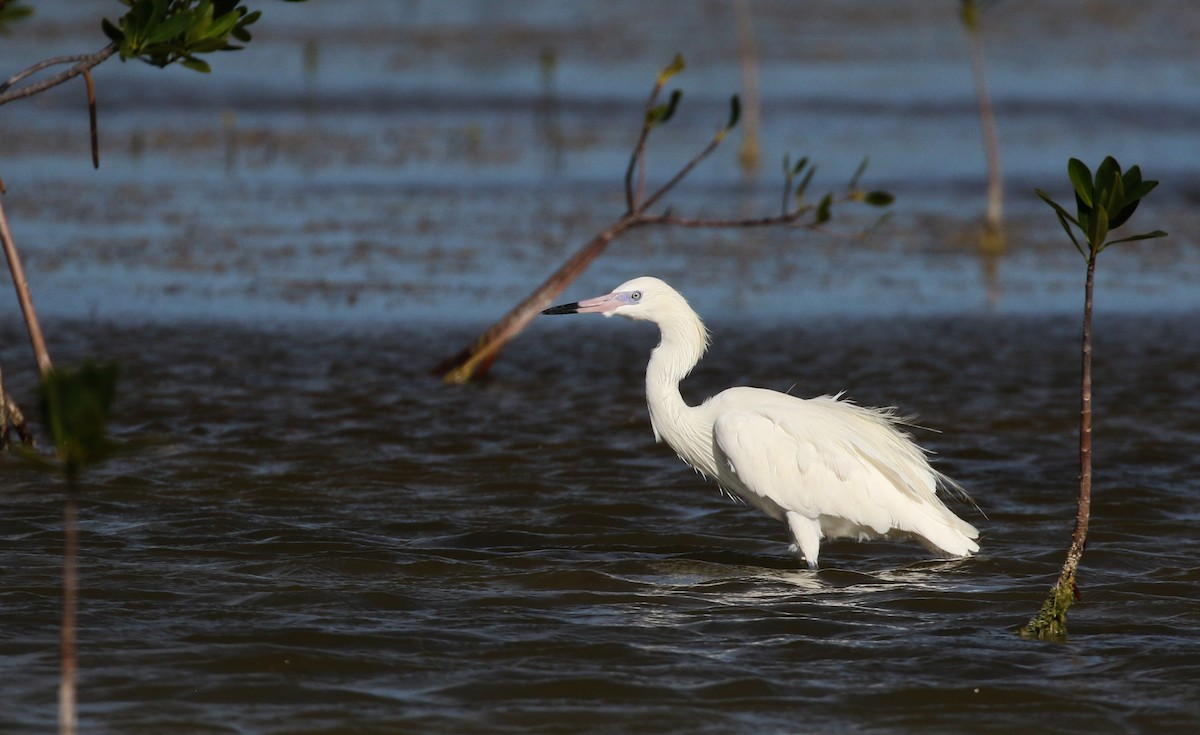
<point>26,301</point>
<point>637,160</point>
<point>84,63</point>
<point>45,64</point>
<point>91,98</point>
<point>749,222</point>
<point>478,357</point>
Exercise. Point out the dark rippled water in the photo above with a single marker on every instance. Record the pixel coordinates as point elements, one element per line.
<point>327,540</point>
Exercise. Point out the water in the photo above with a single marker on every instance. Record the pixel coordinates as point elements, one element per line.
<point>327,542</point>
<point>322,538</point>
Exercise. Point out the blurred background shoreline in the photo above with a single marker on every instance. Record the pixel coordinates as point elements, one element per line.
<point>419,161</point>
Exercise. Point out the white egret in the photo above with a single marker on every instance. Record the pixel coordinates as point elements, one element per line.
<point>826,467</point>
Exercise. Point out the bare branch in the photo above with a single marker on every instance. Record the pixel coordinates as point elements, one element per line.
<point>700,223</point>
<point>91,98</point>
<point>83,63</point>
<point>477,358</point>
<point>45,64</point>
<point>18,275</point>
<point>637,159</point>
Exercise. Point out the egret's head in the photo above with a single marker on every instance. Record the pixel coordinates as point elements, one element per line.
<point>642,298</point>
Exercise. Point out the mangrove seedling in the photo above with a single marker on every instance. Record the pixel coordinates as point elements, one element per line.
<point>1103,203</point>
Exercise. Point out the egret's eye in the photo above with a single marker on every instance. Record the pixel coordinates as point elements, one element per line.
<point>635,296</point>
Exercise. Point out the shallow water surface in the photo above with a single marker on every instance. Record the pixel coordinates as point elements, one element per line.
<point>327,540</point>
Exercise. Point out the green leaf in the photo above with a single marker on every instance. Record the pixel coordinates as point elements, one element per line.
<point>1081,180</point>
<point>10,11</point>
<point>823,213</point>
<point>199,65</point>
<point>1140,190</point>
<point>674,68</point>
<point>1131,178</point>
<point>858,172</point>
<point>663,112</point>
<point>800,166</point>
<point>1114,200</point>
<point>1063,219</point>
<point>1132,199</point>
<point>1097,229</point>
<point>240,33</point>
<point>222,26</point>
<point>114,34</point>
<point>1061,212</point>
<point>1143,236</point>
<point>878,198</point>
<point>735,112</point>
<point>171,28</point>
<point>1105,172</point>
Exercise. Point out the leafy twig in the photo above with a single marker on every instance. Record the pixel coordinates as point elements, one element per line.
<point>1103,203</point>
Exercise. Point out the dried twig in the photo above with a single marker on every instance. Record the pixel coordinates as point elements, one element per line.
<point>26,301</point>
<point>91,98</point>
<point>82,63</point>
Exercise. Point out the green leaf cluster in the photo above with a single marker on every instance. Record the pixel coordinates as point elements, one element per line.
<point>824,213</point>
<point>661,113</point>
<point>162,32</point>
<point>1103,203</point>
<point>75,405</point>
<point>10,11</point>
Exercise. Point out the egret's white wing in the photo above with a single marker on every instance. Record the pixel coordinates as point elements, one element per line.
<point>845,466</point>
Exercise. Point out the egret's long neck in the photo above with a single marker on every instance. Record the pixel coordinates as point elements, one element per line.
<point>684,340</point>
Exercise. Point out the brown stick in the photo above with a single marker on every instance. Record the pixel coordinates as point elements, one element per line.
<point>987,119</point>
<point>637,159</point>
<point>85,62</point>
<point>91,98</point>
<point>749,153</point>
<point>26,301</point>
<point>476,359</point>
<point>1083,513</point>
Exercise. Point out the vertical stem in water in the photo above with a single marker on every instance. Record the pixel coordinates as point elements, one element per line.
<point>67,718</point>
<point>1051,621</point>
<point>1079,537</point>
